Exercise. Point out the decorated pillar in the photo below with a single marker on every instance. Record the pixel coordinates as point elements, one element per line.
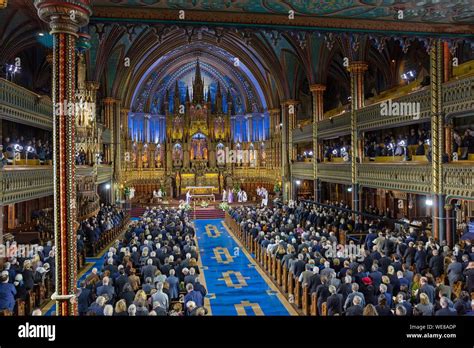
<point>357,70</point>
<point>289,111</point>
<point>275,136</point>
<point>449,224</point>
<point>65,18</point>
<point>318,113</point>
<point>437,138</point>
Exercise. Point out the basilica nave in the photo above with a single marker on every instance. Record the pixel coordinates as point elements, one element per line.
<point>236,158</point>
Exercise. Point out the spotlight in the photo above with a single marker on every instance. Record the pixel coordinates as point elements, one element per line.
<point>107,186</point>
<point>40,34</point>
<point>349,189</point>
<point>298,182</point>
<point>429,202</point>
<point>18,147</point>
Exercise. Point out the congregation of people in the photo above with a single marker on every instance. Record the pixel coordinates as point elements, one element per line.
<point>399,272</point>
<point>27,148</point>
<point>152,271</point>
<point>90,230</point>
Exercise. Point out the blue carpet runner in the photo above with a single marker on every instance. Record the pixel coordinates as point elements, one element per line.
<point>236,285</point>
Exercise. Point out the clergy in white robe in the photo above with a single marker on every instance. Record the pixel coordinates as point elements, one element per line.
<point>224,196</point>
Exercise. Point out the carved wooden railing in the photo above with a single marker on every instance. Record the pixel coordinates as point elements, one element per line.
<point>458,180</point>
<point>337,172</point>
<point>370,117</point>
<point>335,126</point>
<point>104,173</point>
<point>302,170</point>
<point>458,97</point>
<point>403,177</point>
<point>18,104</point>
<point>27,183</point>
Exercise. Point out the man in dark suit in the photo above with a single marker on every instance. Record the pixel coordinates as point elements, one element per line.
<point>299,265</point>
<point>356,309</point>
<point>436,264</point>
<point>445,310</point>
<point>420,259</point>
<point>106,290</point>
<point>121,280</point>
<point>84,299</point>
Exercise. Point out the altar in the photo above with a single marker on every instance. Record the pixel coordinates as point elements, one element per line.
<point>202,193</point>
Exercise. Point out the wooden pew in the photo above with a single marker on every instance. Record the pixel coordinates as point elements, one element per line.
<point>314,304</point>
<point>278,272</point>
<point>20,307</point>
<point>290,283</point>
<point>297,292</point>
<point>284,278</point>
<point>30,301</point>
<point>324,309</point>
<point>305,300</point>
<point>274,262</point>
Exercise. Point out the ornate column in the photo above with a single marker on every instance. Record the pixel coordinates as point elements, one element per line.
<point>286,147</point>
<point>65,18</point>
<point>437,138</point>
<point>357,70</point>
<point>449,224</point>
<point>275,135</point>
<point>318,113</point>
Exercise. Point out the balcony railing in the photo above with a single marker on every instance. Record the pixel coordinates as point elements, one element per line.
<point>458,180</point>
<point>19,104</point>
<point>338,173</point>
<point>104,173</point>
<point>458,97</point>
<point>401,177</point>
<point>302,170</point>
<point>335,126</point>
<point>25,183</point>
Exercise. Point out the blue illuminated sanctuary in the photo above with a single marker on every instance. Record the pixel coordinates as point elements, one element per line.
<point>185,111</point>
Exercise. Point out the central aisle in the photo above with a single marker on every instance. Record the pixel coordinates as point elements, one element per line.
<point>235,283</point>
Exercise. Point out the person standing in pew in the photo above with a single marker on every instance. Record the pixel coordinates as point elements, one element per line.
<point>7,293</point>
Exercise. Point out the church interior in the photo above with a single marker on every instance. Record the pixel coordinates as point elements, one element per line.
<point>236,158</point>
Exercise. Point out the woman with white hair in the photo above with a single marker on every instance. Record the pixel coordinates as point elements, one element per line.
<point>132,310</point>
<point>20,287</point>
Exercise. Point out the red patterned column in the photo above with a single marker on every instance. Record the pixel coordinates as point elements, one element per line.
<point>65,17</point>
